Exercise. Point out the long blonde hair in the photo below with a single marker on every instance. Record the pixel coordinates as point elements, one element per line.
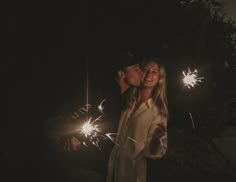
<point>159,91</point>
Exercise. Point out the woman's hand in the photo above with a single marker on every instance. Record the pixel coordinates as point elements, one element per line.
<point>159,132</point>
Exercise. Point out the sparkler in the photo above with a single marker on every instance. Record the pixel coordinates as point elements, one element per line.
<point>88,129</point>
<point>93,133</point>
<point>191,79</point>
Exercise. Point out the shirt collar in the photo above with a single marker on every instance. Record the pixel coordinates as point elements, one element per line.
<point>149,103</point>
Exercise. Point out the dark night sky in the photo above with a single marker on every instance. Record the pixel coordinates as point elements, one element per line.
<point>51,52</point>
<point>48,53</point>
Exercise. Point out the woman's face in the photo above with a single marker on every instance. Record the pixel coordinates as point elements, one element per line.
<point>150,74</point>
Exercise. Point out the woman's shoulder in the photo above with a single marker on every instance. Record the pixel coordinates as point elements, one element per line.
<point>152,105</point>
<point>156,112</point>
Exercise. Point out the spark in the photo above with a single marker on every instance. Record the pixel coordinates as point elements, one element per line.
<point>113,139</point>
<point>192,121</point>
<point>88,128</point>
<point>133,140</point>
<point>96,143</point>
<point>91,131</point>
<point>191,79</point>
<point>100,106</point>
<point>98,118</point>
<point>85,144</point>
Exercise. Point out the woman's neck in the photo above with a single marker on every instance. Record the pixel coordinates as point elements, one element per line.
<point>144,94</point>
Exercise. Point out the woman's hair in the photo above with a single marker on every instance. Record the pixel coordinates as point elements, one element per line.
<point>159,91</point>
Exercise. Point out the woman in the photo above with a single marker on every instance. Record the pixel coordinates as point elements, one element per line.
<point>142,131</point>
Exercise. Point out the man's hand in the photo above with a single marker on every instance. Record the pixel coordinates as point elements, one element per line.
<point>69,143</point>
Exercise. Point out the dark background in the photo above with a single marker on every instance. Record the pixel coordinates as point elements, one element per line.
<point>54,57</point>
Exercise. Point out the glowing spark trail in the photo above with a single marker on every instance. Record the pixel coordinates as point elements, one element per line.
<point>91,131</point>
<point>98,118</point>
<point>100,107</point>
<point>192,121</point>
<point>88,128</point>
<point>133,140</point>
<point>85,144</point>
<point>113,139</point>
<point>191,79</point>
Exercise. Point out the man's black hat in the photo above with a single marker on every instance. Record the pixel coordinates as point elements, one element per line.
<point>125,59</point>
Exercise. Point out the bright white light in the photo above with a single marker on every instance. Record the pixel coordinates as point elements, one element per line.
<point>100,106</point>
<point>191,79</point>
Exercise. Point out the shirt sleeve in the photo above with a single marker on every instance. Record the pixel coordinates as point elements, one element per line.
<point>161,150</point>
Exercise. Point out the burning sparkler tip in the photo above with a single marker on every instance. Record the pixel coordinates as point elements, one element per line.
<point>191,79</point>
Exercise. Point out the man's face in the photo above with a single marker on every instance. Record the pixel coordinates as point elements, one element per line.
<point>133,75</point>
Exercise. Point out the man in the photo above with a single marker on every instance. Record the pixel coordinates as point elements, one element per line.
<point>127,75</point>
<point>128,72</point>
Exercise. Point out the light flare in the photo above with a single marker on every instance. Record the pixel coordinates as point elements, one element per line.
<point>100,106</point>
<point>191,78</point>
<point>88,128</point>
<point>93,133</point>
